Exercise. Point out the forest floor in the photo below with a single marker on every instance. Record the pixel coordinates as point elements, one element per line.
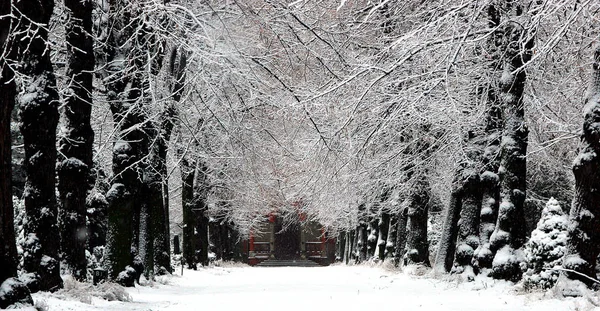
<point>322,288</point>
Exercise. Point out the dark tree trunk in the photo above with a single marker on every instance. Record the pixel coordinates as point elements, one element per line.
<point>401,234</point>
<point>384,224</point>
<point>201,212</point>
<point>8,91</point>
<point>77,143</point>
<point>488,217</point>
<point>124,95</point>
<point>118,237</point>
<point>493,130</point>
<point>39,114</point>
<point>510,232</point>
<point>348,249</point>
<point>390,245</point>
<point>361,242</point>
<point>341,246</point>
<point>468,229</point>
<point>373,230</point>
<point>189,218</point>
<point>447,244</point>
<point>176,245</point>
<point>584,229</point>
<point>417,247</point>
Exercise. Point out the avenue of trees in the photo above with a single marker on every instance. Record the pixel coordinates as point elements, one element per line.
<point>416,132</point>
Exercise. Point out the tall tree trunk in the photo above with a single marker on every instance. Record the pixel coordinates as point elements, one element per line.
<point>188,172</point>
<point>401,234</point>
<point>158,163</point>
<point>39,114</point>
<point>510,232</point>
<point>447,244</point>
<point>361,242</point>
<point>390,245</point>
<point>584,229</point>
<point>8,91</point>
<point>384,224</point>
<point>77,141</point>
<point>417,247</point>
<point>468,229</point>
<point>373,231</point>
<point>493,131</point>
<point>341,245</point>
<point>131,146</point>
<point>201,212</point>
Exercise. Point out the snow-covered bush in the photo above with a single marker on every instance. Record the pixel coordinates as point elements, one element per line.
<point>13,291</point>
<point>84,291</point>
<point>545,249</point>
<point>126,277</point>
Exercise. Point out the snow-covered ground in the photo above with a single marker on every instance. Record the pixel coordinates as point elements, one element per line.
<point>320,288</point>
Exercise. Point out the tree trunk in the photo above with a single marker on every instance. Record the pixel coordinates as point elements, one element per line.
<point>361,243</point>
<point>401,234</point>
<point>347,250</point>
<point>130,147</point>
<point>384,224</point>
<point>39,114</point>
<point>189,220</point>
<point>584,229</point>
<point>373,231</point>
<point>447,244</point>
<point>510,232</point>
<point>488,217</point>
<point>201,212</point>
<point>390,245</point>
<point>341,246</point>
<point>468,229</point>
<point>77,143</point>
<point>417,250</point>
<point>8,91</point>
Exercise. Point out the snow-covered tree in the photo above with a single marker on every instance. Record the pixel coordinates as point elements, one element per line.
<point>545,249</point>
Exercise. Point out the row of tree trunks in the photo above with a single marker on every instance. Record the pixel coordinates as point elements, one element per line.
<point>77,141</point>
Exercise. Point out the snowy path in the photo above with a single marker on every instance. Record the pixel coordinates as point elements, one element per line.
<point>321,288</point>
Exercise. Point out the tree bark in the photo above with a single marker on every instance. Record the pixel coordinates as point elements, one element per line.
<point>584,228</point>
<point>384,224</point>
<point>201,212</point>
<point>77,141</point>
<point>131,147</point>
<point>390,245</point>
<point>447,244</point>
<point>417,250</point>
<point>510,232</point>
<point>468,229</point>
<point>8,91</point>
<point>373,231</point>
<point>361,243</point>
<point>189,220</point>
<point>39,114</point>
<point>401,234</point>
